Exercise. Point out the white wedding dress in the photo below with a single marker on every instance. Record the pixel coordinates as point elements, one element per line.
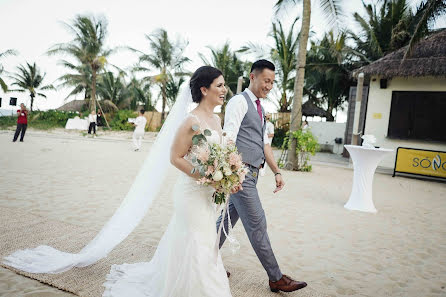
<point>184,262</point>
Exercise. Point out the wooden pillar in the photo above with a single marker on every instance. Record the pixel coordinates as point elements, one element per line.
<point>356,135</point>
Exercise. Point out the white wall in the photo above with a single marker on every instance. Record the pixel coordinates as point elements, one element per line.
<point>378,112</point>
<point>326,132</point>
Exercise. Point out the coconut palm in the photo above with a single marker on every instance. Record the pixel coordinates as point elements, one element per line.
<point>87,48</point>
<point>29,79</point>
<point>112,89</point>
<point>138,91</point>
<point>229,64</point>
<point>332,9</point>
<point>428,12</point>
<point>173,86</point>
<point>6,53</point>
<point>327,78</point>
<point>166,57</point>
<point>391,25</point>
<point>79,79</point>
<point>283,54</point>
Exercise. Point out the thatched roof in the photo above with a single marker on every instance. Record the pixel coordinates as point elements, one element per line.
<point>75,105</point>
<point>428,59</point>
<point>309,109</point>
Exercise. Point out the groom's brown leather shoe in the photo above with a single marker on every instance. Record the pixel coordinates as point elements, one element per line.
<point>286,284</point>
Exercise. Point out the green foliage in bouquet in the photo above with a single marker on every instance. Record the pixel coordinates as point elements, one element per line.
<point>306,145</point>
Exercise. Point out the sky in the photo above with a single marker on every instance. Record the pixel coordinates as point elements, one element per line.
<point>32,27</point>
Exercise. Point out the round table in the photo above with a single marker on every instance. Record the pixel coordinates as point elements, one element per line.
<point>365,160</point>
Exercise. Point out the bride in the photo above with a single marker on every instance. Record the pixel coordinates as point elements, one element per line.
<point>184,262</point>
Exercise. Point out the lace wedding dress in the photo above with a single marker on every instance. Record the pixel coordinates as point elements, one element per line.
<point>184,262</point>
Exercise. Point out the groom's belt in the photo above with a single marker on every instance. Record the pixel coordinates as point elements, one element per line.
<point>252,166</point>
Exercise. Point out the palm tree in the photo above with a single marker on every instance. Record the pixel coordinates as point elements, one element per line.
<point>283,54</point>
<point>79,80</point>
<point>166,57</point>
<point>428,11</point>
<point>6,53</point>
<point>87,47</point>
<point>333,10</point>
<point>173,86</point>
<point>327,77</point>
<point>229,64</point>
<point>138,91</point>
<point>112,89</point>
<point>393,25</point>
<point>29,79</point>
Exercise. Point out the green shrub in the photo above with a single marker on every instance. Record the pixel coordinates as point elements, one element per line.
<point>120,120</point>
<point>44,120</point>
<point>279,136</point>
<point>306,145</point>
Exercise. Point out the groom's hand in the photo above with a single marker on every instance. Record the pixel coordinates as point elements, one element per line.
<point>280,183</point>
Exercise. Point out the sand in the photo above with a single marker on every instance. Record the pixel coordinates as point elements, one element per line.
<point>399,251</point>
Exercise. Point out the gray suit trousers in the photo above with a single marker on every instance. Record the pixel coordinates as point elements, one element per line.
<point>246,205</point>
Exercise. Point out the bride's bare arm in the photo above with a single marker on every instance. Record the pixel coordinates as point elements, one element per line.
<point>180,147</point>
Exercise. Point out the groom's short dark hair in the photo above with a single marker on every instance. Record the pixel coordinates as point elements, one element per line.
<point>262,64</point>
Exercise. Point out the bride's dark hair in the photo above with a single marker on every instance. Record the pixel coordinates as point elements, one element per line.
<point>202,77</point>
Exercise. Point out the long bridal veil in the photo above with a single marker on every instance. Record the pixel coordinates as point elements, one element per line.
<point>45,259</point>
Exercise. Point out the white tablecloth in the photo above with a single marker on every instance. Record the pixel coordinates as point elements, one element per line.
<point>77,124</point>
<point>365,160</point>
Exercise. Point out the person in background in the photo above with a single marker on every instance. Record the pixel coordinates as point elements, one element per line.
<point>100,119</point>
<point>22,123</point>
<point>305,126</point>
<point>270,131</point>
<point>92,119</point>
<point>140,126</point>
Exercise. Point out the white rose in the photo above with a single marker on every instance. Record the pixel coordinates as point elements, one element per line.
<point>218,175</point>
<point>227,171</point>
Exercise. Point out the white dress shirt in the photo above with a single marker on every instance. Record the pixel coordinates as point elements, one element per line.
<point>235,112</point>
<point>92,118</point>
<point>140,123</point>
<point>269,130</point>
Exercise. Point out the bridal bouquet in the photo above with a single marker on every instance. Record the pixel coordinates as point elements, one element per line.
<point>219,165</point>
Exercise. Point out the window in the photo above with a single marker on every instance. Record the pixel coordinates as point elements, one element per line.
<point>418,115</point>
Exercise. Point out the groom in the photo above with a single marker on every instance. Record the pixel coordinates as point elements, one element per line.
<point>245,120</point>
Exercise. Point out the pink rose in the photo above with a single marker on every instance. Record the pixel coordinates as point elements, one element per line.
<point>203,154</point>
<point>234,159</point>
<point>210,170</point>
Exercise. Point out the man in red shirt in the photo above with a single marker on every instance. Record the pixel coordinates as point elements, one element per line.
<point>22,122</point>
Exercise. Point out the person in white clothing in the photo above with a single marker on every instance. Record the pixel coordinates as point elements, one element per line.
<point>92,119</point>
<point>270,132</point>
<point>140,125</point>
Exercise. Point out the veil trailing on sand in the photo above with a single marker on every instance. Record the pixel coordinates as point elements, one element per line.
<point>46,259</point>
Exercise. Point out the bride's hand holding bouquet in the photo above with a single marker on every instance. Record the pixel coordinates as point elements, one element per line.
<point>218,165</point>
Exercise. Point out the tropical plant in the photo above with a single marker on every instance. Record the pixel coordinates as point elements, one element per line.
<point>6,53</point>
<point>29,79</point>
<point>327,76</point>
<point>332,9</point>
<point>391,24</point>
<point>427,13</point>
<point>306,145</point>
<point>79,79</point>
<point>113,89</point>
<point>138,91</point>
<point>173,86</point>
<point>229,64</point>
<point>283,54</point>
<point>87,48</point>
<point>166,57</point>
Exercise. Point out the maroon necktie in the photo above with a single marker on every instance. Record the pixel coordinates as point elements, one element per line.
<point>259,109</point>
